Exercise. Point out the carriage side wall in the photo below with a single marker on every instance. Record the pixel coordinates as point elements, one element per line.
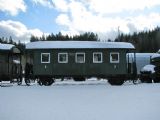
<point>106,68</point>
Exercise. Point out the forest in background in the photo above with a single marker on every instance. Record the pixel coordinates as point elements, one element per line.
<point>88,36</point>
<point>145,41</point>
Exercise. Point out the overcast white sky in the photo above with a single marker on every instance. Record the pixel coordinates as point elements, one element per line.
<point>21,18</point>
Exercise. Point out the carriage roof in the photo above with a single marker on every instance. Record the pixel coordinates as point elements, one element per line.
<point>78,44</point>
<point>9,48</point>
<point>6,46</point>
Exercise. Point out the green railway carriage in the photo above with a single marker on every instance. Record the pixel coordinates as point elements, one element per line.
<point>79,60</point>
<point>10,62</point>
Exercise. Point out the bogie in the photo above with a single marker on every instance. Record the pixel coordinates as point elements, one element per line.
<point>46,81</point>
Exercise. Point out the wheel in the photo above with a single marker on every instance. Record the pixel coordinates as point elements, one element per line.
<point>149,80</point>
<point>27,81</point>
<point>45,81</point>
<point>146,79</point>
<point>115,81</point>
<point>156,80</point>
<point>19,81</point>
<point>110,81</point>
<point>143,80</point>
<point>51,82</point>
<point>40,82</point>
<point>48,82</point>
<point>135,81</point>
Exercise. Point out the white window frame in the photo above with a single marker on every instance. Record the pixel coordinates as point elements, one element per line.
<point>111,61</point>
<point>101,57</point>
<point>80,53</point>
<point>62,54</point>
<point>45,54</point>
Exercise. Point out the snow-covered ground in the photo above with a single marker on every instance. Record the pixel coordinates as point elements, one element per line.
<point>90,100</point>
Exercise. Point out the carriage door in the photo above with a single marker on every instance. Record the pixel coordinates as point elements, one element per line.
<point>46,68</point>
<point>131,60</point>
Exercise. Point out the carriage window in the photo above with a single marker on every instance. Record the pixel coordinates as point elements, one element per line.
<point>80,57</point>
<point>62,58</point>
<point>97,57</point>
<point>45,57</point>
<point>114,57</point>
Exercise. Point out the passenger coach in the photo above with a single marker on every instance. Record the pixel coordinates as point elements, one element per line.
<point>10,63</point>
<point>79,60</point>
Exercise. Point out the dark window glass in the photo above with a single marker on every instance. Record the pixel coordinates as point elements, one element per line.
<point>45,57</point>
<point>63,58</point>
<point>80,57</point>
<point>114,57</point>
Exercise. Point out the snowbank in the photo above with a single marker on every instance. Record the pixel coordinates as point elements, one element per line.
<point>92,100</point>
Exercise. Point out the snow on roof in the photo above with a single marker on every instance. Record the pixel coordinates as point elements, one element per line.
<point>77,44</point>
<point>155,55</point>
<point>148,68</point>
<point>6,46</point>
